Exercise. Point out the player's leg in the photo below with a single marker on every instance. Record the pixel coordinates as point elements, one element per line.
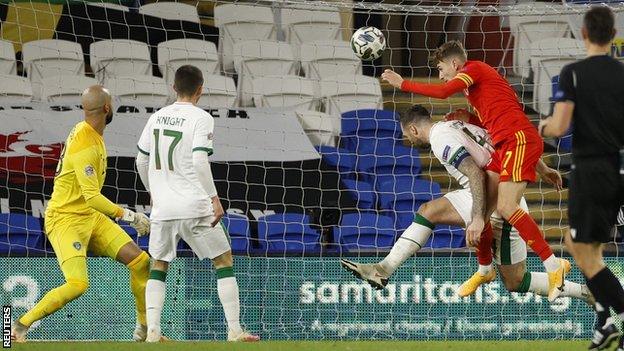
<point>69,237</point>
<point>163,244</point>
<point>438,211</point>
<point>519,161</point>
<point>213,242</point>
<point>108,239</point>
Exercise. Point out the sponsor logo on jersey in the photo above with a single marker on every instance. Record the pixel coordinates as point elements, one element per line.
<point>89,171</point>
<point>77,245</point>
<point>445,153</point>
<point>210,136</point>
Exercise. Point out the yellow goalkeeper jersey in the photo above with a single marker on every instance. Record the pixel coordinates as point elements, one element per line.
<point>80,175</point>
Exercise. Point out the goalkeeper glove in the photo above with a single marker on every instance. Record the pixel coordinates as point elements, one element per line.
<point>138,221</point>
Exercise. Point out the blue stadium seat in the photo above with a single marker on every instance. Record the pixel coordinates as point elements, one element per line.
<point>403,162</point>
<point>371,114</point>
<point>365,232</point>
<point>447,237</point>
<point>362,192</point>
<point>360,125</point>
<point>237,227</point>
<point>288,233</point>
<point>342,159</point>
<point>20,235</point>
<point>405,193</point>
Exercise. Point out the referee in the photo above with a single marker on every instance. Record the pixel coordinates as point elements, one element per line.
<point>592,94</point>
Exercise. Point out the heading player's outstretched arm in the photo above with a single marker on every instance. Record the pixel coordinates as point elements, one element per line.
<point>476,178</point>
<point>439,91</point>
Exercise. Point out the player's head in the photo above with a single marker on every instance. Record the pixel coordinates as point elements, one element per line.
<point>415,124</point>
<point>599,25</point>
<point>97,103</point>
<point>188,83</point>
<point>449,59</point>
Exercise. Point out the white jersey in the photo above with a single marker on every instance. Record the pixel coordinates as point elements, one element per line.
<point>170,138</point>
<point>453,141</point>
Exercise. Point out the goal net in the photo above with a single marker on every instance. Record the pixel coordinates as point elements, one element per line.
<point>309,160</point>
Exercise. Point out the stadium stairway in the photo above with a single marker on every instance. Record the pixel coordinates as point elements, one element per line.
<point>546,205</point>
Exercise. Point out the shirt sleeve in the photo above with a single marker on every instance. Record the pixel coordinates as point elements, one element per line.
<point>470,74</point>
<point>203,135</point>
<point>438,91</point>
<point>85,163</point>
<point>449,151</point>
<point>566,88</point>
<point>144,144</point>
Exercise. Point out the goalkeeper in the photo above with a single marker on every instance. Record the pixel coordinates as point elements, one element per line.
<point>78,217</point>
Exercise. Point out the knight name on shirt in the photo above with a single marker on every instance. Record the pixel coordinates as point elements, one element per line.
<point>170,121</point>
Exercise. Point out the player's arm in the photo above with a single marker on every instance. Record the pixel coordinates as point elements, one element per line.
<point>464,116</point>
<point>559,123</point>
<point>202,148</point>
<point>439,91</point>
<point>85,167</point>
<point>549,175</point>
<point>142,158</point>
<point>476,179</point>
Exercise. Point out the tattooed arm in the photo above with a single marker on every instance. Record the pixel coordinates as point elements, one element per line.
<point>476,178</point>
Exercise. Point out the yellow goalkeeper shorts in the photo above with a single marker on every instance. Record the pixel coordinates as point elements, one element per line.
<point>73,235</point>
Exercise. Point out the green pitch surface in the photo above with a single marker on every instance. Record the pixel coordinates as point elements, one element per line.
<point>546,345</point>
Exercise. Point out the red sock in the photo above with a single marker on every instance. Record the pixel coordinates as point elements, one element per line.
<point>484,249</point>
<point>530,233</point>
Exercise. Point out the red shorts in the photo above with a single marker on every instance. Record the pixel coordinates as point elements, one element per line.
<point>516,157</point>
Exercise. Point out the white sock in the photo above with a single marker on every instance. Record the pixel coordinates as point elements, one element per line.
<point>483,270</point>
<point>412,240</point>
<point>154,301</point>
<point>228,294</point>
<point>552,263</point>
<point>539,285</point>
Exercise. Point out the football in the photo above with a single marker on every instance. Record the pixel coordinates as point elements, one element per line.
<point>368,43</point>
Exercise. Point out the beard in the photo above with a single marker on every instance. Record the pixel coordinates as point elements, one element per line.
<point>109,117</point>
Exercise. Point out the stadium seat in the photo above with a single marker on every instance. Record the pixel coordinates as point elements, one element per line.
<point>218,91</point>
<point>288,233</point>
<point>237,227</point>
<point>15,89</point>
<point>322,59</point>
<point>119,57</point>
<point>50,57</point>
<point>579,7</point>
<point>178,52</point>
<point>7,58</point>
<point>398,161</point>
<point>241,22</point>
<point>405,193</point>
<point>548,56</point>
<point>341,159</point>
<point>366,135</point>
<point>361,232</point>
<point>259,58</point>
<point>65,89</point>
<point>20,234</point>
<point>447,237</point>
<point>321,128</point>
<point>362,192</point>
<point>171,10</point>
<point>285,91</point>
<point>303,25</point>
<point>350,92</point>
<point>527,29</point>
<point>143,90</point>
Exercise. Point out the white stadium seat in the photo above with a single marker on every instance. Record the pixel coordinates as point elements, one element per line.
<point>65,89</point>
<point>548,56</point>
<point>285,91</point>
<point>259,58</point>
<point>321,128</point>
<point>140,89</point>
<point>218,91</point>
<point>527,29</point>
<point>325,58</point>
<point>7,58</point>
<point>49,58</point>
<point>170,10</point>
<point>14,89</point>
<point>302,26</point>
<point>344,93</point>
<point>241,22</point>
<point>119,57</point>
<point>178,52</point>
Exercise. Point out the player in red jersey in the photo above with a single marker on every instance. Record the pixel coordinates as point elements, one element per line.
<point>518,146</point>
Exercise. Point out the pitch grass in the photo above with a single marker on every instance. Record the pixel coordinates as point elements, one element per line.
<point>539,345</point>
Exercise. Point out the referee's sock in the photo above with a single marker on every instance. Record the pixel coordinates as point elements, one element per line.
<point>608,292</point>
<point>531,234</point>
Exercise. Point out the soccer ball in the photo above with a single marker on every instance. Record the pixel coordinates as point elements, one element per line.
<point>368,43</point>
